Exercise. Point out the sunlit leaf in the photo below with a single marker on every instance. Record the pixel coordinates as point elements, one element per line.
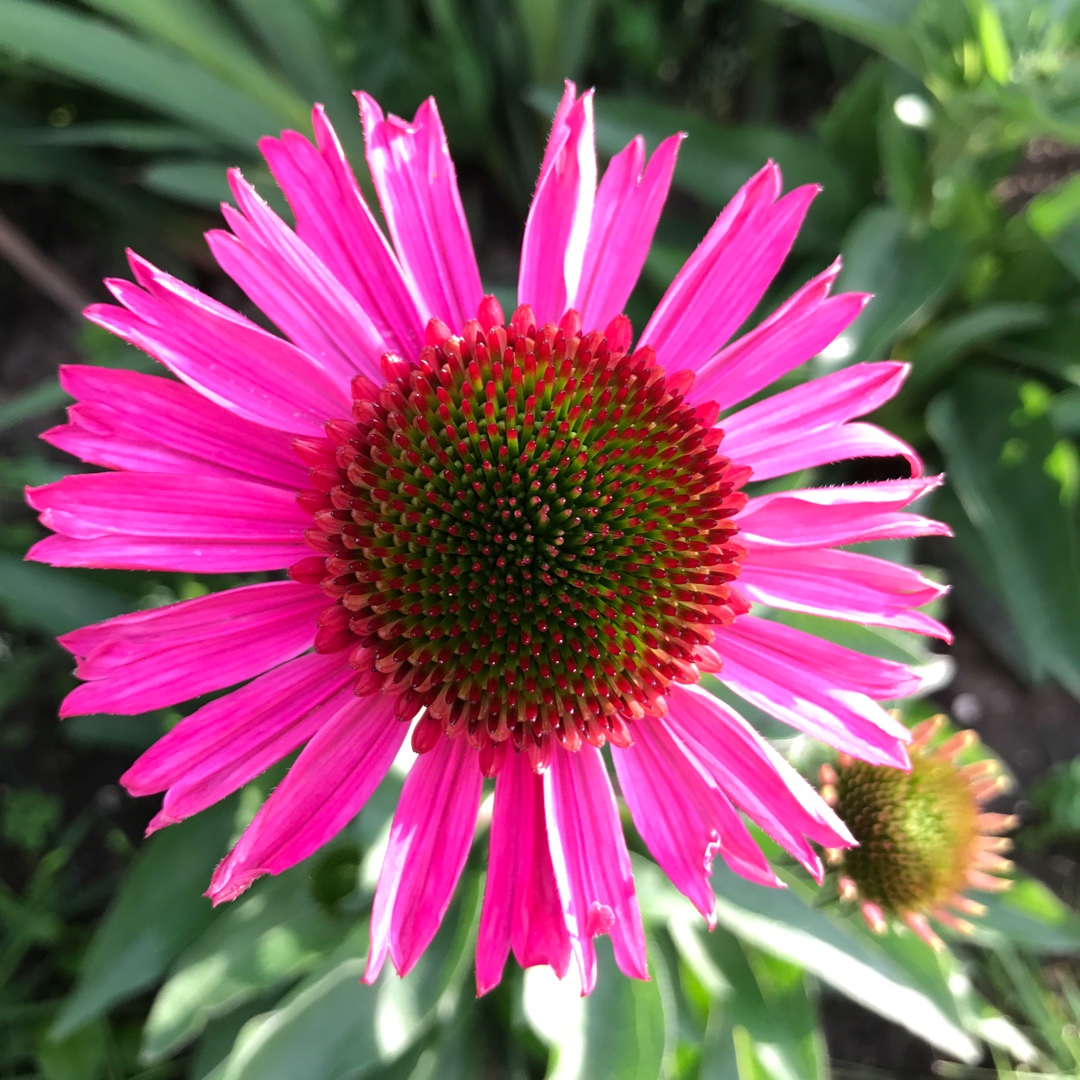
<point>330,1026</point>
<point>624,1028</point>
<point>767,1022</point>
<point>628,1029</point>
<point>1055,216</point>
<point>276,932</point>
<point>781,923</point>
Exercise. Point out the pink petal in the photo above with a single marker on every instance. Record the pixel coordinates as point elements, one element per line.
<point>592,865</point>
<point>287,281</point>
<point>140,553</point>
<point>817,687</point>
<point>224,356</point>
<point>754,776</point>
<point>683,815</point>
<point>725,279</point>
<point>845,668</point>
<point>150,659</point>
<point>823,517</point>
<point>841,442</point>
<point>522,907</point>
<point>799,329</point>
<point>842,585</point>
<point>145,423</point>
<point>796,429</point>
<point>429,843</point>
<point>324,790</point>
<point>557,228</point>
<point>333,219</point>
<point>417,186</point>
<point>235,738</point>
<point>109,510</point>
<point>628,205</point>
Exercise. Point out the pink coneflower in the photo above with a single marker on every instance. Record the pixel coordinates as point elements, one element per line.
<point>528,537</point>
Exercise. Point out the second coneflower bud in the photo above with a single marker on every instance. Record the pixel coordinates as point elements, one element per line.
<point>923,835</point>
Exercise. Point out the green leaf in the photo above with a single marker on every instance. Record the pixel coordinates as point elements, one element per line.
<point>330,1026</point>
<point>843,129</point>
<point>938,352</point>
<point>908,274</point>
<point>204,32</point>
<point>1055,216</point>
<point>326,1032</point>
<point>1051,348</point>
<point>158,911</point>
<point>624,1028</point>
<point>124,733</point>
<point>297,40</point>
<point>81,1056</point>
<point>558,34</point>
<point>198,182</point>
<point>782,924</point>
<point>21,162</point>
<point>1012,475</point>
<point>903,154</point>
<point>629,1028</point>
<point>1028,916</point>
<point>714,161</point>
<point>769,1002</point>
<point>995,47</point>
<point>44,397</point>
<point>1065,412</point>
<point>93,52</point>
<point>276,932</point>
<point>55,600</point>
<point>122,134</point>
<point>884,25</point>
<point>1050,213</point>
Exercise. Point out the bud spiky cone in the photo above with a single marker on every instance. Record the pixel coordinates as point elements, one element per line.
<point>924,836</point>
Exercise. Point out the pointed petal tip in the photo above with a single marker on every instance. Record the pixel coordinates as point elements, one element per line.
<point>67,709</point>
<point>229,882</point>
<point>34,553</point>
<point>375,961</point>
<point>161,820</point>
<point>370,112</point>
<point>486,981</point>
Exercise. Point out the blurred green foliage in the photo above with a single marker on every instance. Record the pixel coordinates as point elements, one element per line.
<point>946,134</point>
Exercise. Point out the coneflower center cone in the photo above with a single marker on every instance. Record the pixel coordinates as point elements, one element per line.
<point>917,832</point>
<point>528,534</point>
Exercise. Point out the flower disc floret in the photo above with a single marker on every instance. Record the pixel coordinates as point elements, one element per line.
<point>529,533</point>
<point>922,836</point>
<point>915,830</point>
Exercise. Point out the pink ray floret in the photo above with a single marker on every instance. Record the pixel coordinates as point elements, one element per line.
<point>507,541</point>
